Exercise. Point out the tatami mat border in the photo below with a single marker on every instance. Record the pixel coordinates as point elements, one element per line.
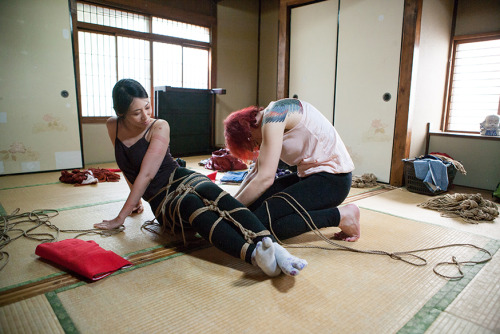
<point>424,318</point>
<point>64,281</point>
<point>61,314</point>
<point>91,204</point>
<point>31,185</point>
<point>368,193</point>
<point>30,282</point>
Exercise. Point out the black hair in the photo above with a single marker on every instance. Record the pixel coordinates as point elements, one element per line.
<point>124,92</point>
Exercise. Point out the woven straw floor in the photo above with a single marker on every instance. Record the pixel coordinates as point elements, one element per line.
<point>198,289</point>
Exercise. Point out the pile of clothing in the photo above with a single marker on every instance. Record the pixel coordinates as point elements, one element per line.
<point>222,160</point>
<point>89,176</point>
<point>432,169</point>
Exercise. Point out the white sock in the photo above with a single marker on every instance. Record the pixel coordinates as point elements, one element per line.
<point>289,264</point>
<point>265,258</point>
<point>273,258</point>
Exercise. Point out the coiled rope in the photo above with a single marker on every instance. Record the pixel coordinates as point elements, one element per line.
<point>472,208</point>
<point>10,224</point>
<point>417,260</point>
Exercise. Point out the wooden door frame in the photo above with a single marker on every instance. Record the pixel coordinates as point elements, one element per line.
<point>408,65</point>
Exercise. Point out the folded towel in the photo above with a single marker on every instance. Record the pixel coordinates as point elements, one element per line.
<point>86,258</point>
<point>234,177</point>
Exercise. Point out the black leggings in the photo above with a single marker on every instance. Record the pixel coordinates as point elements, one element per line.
<point>319,194</point>
<point>226,236</point>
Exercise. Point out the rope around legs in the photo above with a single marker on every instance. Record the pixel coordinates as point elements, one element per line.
<point>172,202</point>
<point>417,260</point>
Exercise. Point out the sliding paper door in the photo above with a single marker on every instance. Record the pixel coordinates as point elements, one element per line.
<point>369,51</point>
<point>313,52</point>
<point>39,126</point>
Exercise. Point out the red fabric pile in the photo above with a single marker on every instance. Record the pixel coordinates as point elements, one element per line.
<point>85,258</point>
<point>89,176</point>
<point>223,161</point>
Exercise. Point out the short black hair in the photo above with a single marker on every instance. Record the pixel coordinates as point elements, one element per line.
<point>124,92</point>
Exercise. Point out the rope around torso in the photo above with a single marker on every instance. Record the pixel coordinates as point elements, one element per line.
<point>394,255</point>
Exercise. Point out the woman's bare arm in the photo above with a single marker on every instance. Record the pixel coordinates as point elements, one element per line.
<point>267,162</point>
<point>150,165</point>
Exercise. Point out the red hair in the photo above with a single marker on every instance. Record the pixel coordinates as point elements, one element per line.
<point>238,132</point>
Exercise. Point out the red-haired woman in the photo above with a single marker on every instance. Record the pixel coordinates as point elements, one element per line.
<point>297,133</point>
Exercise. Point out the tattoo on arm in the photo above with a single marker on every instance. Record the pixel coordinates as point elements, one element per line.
<point>280,109</point>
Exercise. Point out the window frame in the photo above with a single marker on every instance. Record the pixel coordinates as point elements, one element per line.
<point>454,43</point>
<point>147,36</point>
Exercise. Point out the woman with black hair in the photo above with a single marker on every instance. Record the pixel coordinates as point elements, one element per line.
<point>179,196</point>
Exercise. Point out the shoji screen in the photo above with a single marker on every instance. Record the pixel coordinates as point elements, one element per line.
<point>39,127</point>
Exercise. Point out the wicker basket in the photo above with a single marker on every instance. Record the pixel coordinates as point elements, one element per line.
<point>416,185</point>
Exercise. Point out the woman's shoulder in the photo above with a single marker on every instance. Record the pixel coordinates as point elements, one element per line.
<point>160,124</point>
<point>112,121</point>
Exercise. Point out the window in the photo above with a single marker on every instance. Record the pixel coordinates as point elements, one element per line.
<point>115,44</point>
<point>474,83</point>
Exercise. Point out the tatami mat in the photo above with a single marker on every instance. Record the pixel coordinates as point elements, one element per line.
<point>339,292</point>
<point>24,265</point>
<point>207,291</point>
<point>480,300</point>
<point>34,315</point>
<point>33,179</point>
<point>447,323</point>
<point>62,196</point>
<point>402,203</point>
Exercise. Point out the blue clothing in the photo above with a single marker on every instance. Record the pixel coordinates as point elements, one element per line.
<point>234,177</point>
<point>433,172</point>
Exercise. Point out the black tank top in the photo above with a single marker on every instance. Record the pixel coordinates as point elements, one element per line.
<point>129,159</point>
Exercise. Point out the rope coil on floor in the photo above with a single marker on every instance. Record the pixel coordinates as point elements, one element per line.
<point>394,255</point>
<point>41,217</point>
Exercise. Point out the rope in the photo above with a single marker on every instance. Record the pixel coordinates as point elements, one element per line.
<point>471,208</point>
<point>366,180</point>
<point>172,202</point>
<point>40,217</point>
<point>417,260</point>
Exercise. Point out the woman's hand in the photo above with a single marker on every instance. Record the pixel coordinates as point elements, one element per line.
<point>139,208</point>
<point>110,224</point>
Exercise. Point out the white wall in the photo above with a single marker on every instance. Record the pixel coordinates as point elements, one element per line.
<point>237,52</point>
<point>268,57</point>
<point>97,148</point>
<point>479,156</point>
<point>429,91</point>
<point>477,16</point>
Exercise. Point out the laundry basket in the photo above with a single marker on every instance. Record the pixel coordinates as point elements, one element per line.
<point>416,185</point>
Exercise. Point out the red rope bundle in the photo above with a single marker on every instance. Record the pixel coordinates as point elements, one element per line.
<point>77,176</point>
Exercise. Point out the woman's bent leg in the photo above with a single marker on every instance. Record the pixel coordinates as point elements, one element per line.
<point>319,194</point>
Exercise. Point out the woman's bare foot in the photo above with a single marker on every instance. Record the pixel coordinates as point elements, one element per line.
<point>349,223</point>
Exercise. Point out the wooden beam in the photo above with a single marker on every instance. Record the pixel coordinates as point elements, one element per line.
<point>402,127</point>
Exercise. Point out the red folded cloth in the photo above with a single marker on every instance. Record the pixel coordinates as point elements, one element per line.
<point>212,176</point>
<point>86,258</point>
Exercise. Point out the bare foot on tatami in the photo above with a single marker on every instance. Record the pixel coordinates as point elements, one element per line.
<point>349,223</point>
